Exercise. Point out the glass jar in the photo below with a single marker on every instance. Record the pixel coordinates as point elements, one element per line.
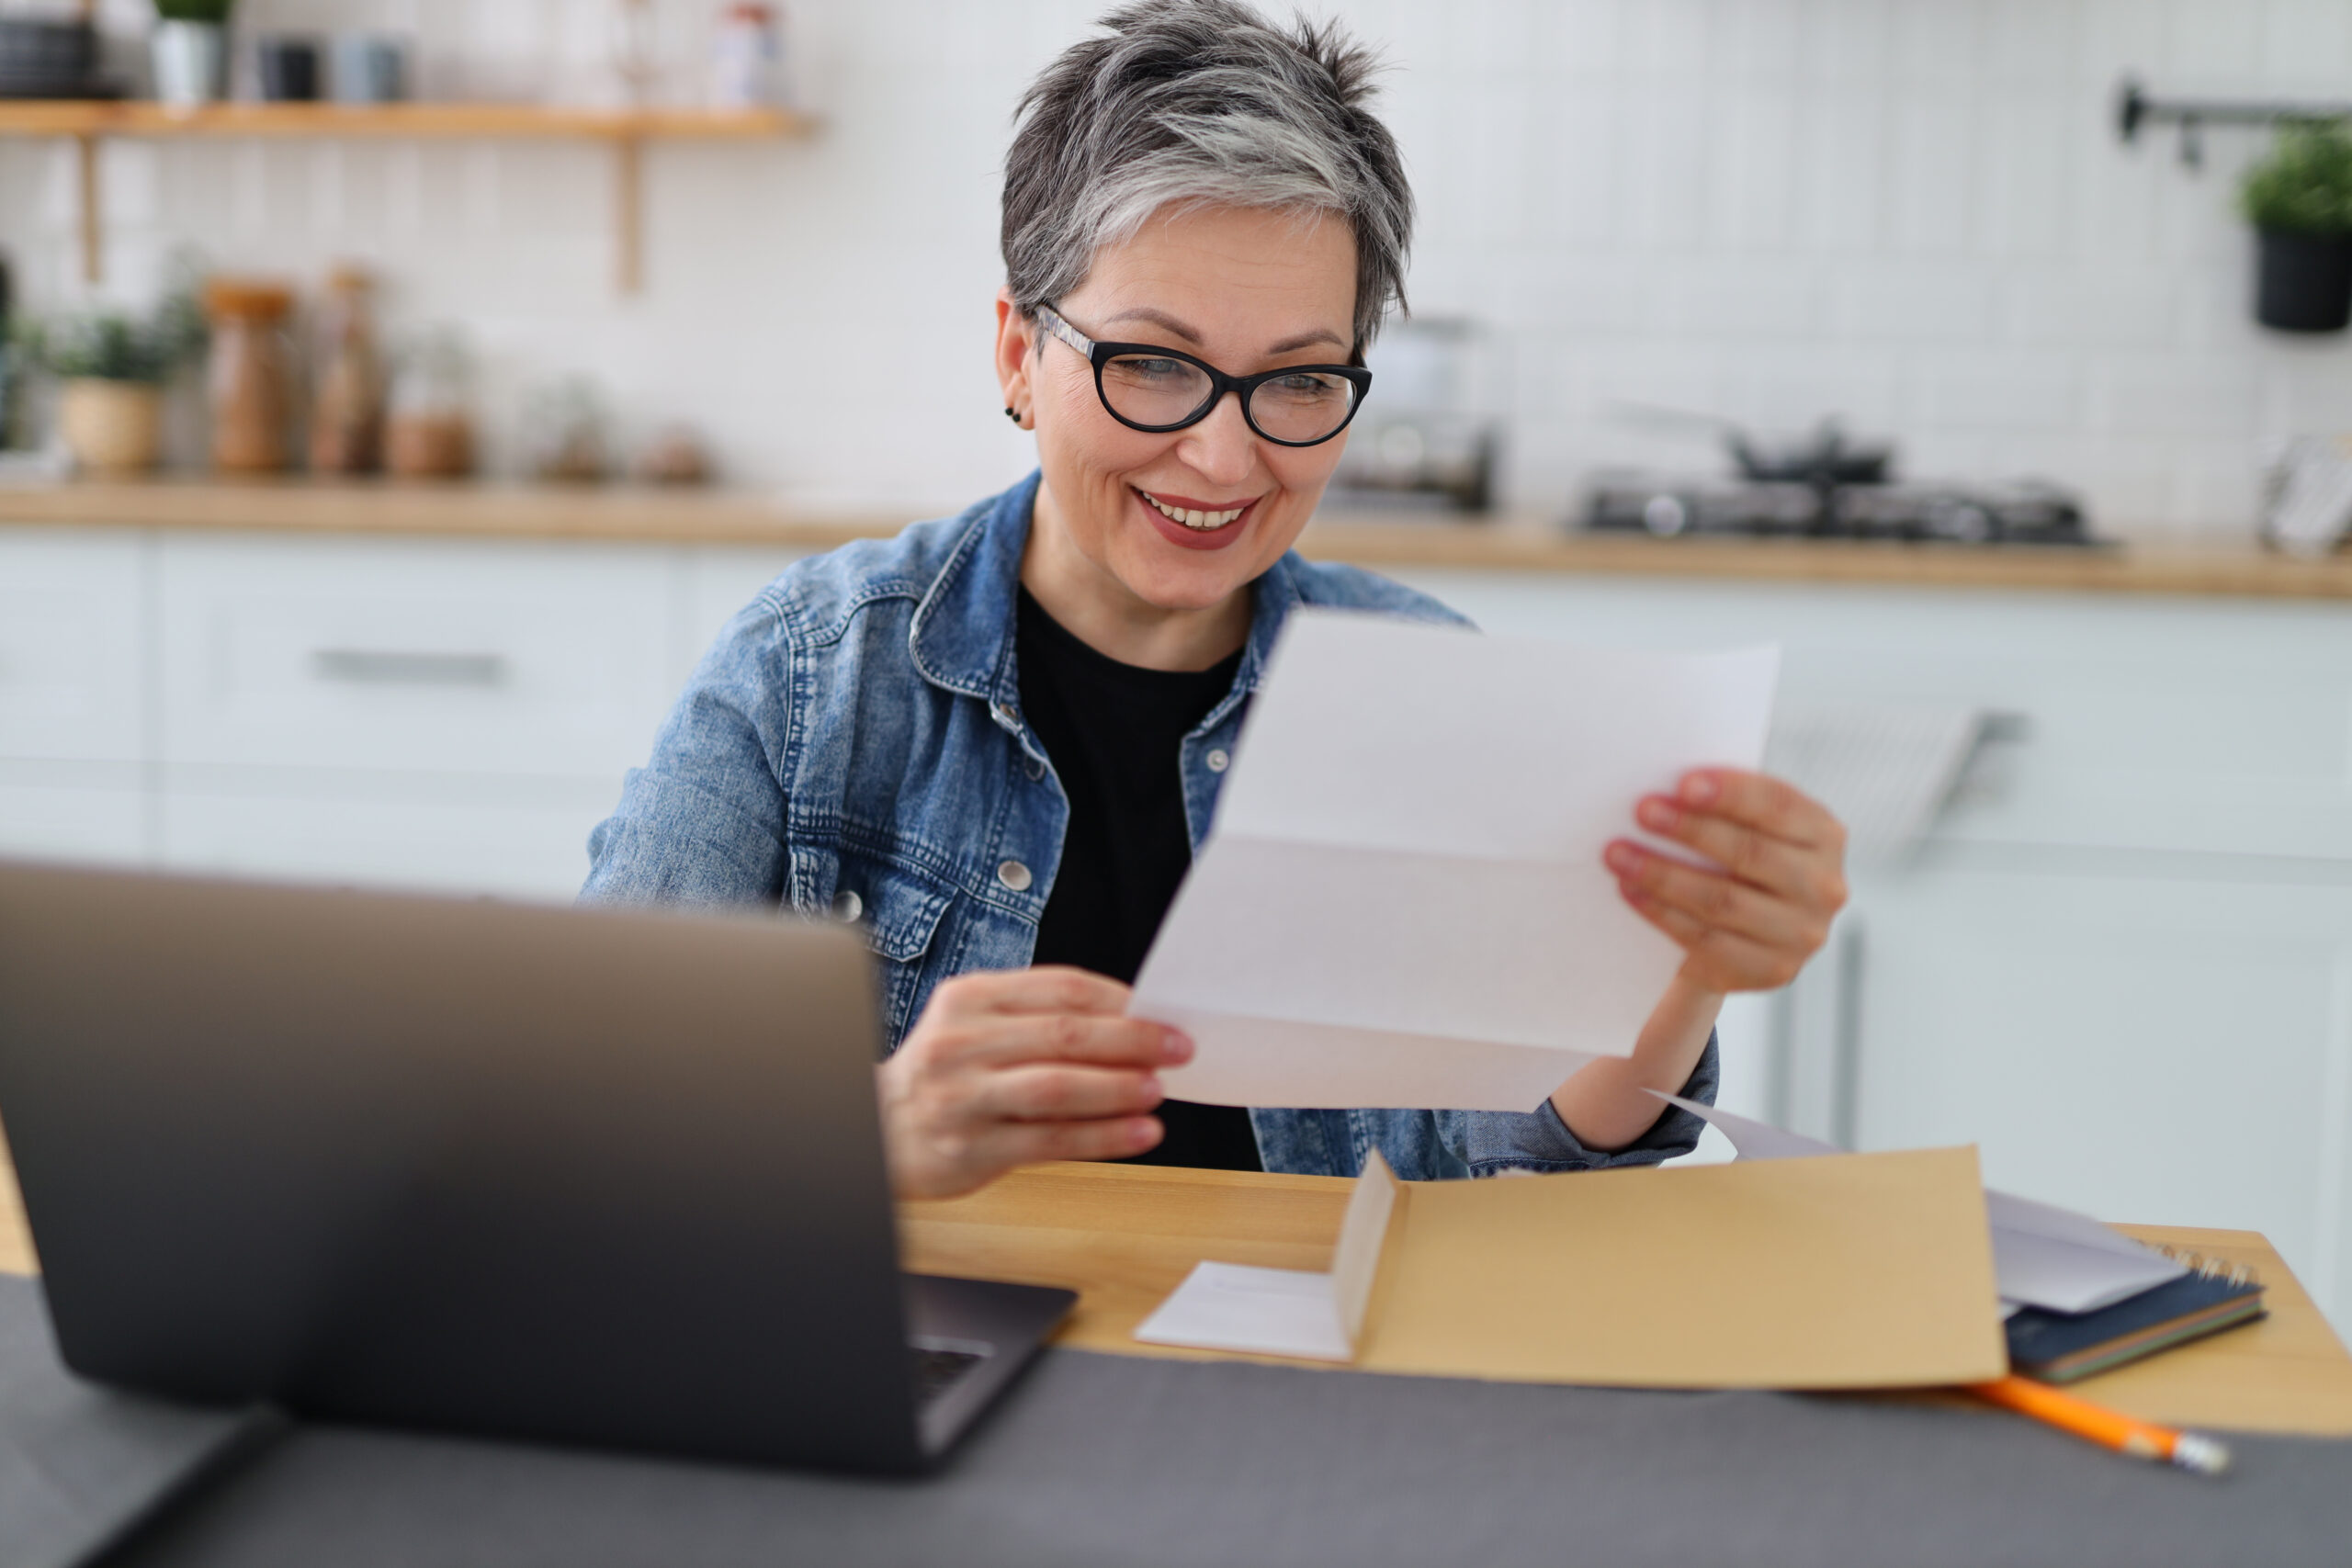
<point>564,432</point>
<point>250,381</point>
<point>746,58</point>
<point>431,433</point>
<point>348,414</point>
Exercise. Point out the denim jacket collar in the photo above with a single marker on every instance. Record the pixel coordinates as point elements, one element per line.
<point>963,631</point>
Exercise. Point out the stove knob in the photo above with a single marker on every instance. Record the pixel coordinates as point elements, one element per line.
<point>1665,515</point>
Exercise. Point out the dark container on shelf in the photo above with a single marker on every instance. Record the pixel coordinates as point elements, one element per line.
<point>289,69</point>
<point>2304,281</point>
<point>50,58</point>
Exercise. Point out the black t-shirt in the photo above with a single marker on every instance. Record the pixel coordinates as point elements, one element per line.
<point>1114,733</point>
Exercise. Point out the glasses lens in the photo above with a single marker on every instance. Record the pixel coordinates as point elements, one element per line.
<point>1307,406</point>
<point>1153,390</point>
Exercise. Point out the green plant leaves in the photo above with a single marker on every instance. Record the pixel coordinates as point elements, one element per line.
<point>109,345</point>
<point>213,11</point>
<point>2304,186</point>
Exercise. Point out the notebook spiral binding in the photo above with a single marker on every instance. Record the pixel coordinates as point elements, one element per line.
<point>2207,1267</point>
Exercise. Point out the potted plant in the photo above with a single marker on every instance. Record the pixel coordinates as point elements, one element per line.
<point>191,50</point>
<point>2299,202</point>
<point>113,367</point>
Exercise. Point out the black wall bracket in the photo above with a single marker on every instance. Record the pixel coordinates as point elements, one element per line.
<point>2134,109</point>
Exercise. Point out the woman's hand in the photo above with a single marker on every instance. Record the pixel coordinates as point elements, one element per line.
<point>1013,1066</point>
<point>1749,926</point>
<point>1752,926</point>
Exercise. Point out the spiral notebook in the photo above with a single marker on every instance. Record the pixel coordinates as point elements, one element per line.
<point>2061,1347</point>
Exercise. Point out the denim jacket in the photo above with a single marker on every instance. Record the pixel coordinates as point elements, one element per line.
<point>852,746</point>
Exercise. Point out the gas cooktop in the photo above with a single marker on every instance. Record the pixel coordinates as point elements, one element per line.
<point>2027,513</point>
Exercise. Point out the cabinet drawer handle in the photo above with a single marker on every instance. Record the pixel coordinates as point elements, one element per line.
<point>389,667</point>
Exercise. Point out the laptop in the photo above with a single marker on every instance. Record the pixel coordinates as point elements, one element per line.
<point>599,1177</point>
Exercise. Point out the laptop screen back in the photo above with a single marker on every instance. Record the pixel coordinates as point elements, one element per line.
<point>583,1176</point>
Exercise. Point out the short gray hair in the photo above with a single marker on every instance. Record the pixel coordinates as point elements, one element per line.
<point>1201,102</point>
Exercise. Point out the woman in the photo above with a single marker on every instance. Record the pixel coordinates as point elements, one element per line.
<point>996,739</point>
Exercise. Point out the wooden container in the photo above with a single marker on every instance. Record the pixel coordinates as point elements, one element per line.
<point>347,415</point>
<point>251,376</point>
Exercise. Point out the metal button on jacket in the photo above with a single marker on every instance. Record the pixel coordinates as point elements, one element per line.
<point>848,907</point>
<point>1014,875</point>
<point>1218,760</point>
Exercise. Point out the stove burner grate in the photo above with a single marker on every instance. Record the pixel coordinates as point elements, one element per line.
<point>2027,512</point>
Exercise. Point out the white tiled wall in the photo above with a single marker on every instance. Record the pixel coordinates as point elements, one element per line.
<point>1914,213</point>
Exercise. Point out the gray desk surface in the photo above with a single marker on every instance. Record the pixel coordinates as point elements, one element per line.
<point>1102,1460</point>
<point>79,1464</point>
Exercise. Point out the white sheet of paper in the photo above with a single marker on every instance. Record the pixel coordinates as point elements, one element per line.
<point>2053,1257</point>
<point>1232,1306</point>
<point>1403,902</point>
<point>2044,1256</point>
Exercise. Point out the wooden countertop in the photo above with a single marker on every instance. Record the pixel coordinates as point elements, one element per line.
<point>1513,544</point>
<point>1122,1236</point>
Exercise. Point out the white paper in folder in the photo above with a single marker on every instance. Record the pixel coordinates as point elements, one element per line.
<point>1403,902</point>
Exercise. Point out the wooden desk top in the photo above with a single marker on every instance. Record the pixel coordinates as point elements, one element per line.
<point>1122,1236</point>
<point>16,1237</point>
<point>1520,543</point>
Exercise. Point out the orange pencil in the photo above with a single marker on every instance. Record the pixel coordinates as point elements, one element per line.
<point>2108,1428</point>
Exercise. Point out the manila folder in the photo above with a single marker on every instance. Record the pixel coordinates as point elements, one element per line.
<point>1846,1271</point>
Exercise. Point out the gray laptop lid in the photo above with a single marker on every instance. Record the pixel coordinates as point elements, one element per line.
<point>586,1176</point>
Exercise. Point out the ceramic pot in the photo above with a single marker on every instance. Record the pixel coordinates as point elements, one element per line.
<point>370,69</point>
<point>289,67</point>
<point>191,62</point>
<point>2304,282</point>
<point>112,427</point>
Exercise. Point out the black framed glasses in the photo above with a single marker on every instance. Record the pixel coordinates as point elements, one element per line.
<point>1158,390</point>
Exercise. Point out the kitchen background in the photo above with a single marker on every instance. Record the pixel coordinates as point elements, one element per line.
<point>2118,957</point>
<point>1918,215</point>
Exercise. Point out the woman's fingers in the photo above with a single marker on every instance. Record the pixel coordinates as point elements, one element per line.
<point>1002,1040</point>
<point>1714,900</point>
<point>1054,990</point>
<point>1808,874</point>
<point>1751,925</point>
<point>1764,803</point>
<point>1749,855</point>
<point>1062,1094</point>
<point>1719,960</point>
<point>1011,1144</point>
<point>1006,1068</point>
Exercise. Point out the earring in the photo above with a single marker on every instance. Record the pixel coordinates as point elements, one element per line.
<point>1012,416</point>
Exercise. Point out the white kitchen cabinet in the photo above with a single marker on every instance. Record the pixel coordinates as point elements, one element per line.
<point>93,812</point>
<point>76,628</point>
<point>413,655</point>
<point>2140,1044</point>
<point>458,836</point>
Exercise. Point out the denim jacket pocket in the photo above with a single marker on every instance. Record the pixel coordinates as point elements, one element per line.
<point>901,911</point>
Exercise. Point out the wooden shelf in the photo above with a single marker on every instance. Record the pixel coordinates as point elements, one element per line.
<point>487,121</point>
<point>626,130</point>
